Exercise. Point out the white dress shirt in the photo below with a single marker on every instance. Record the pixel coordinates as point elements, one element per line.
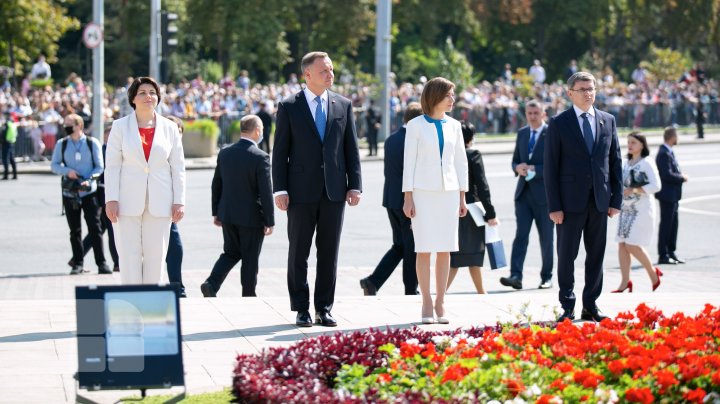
<point>591,118</point>
<point>310,97</point>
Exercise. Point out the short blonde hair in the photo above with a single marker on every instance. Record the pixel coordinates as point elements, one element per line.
<point>77,119</point>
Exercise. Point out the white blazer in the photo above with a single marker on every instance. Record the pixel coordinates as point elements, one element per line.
<point>128,177</point>
<point>422,166</point>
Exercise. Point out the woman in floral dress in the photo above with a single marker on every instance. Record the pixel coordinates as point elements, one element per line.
<point>637,216</point>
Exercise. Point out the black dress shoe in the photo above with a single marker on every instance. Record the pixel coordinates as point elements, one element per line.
<point>368,288</point>
<point>515,283</point>
<point>545,285</point>
<point>182,293</point>
<point>325,319</point>
<point>208,290</point>
<point>677,260</point>
<point>592,315</point>
<point>104,270</point>
<point>77,270</point>
<point>567,314</point>
<point>303,319</point>
<point>667,261</point>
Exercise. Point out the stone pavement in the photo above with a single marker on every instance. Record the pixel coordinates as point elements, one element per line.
<point>38,348</point>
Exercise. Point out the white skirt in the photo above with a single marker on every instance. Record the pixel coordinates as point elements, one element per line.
<point>435,225</point>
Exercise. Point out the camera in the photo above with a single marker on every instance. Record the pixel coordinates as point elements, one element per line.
<point>72,186</point>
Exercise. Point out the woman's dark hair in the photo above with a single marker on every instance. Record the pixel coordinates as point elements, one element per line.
<point>640,138</point>
<point>468,131</point>
<point>132,91</point>
<point>434,93</point>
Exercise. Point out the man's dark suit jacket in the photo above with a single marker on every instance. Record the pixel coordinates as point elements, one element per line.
<point>537,184</point>
<point>241,189</point>
<point>569,167</point>
<point>393,197</point>
<point>670,176</point>
<point>303,164</point>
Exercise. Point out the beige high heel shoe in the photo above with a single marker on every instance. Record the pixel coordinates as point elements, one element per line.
<point>440,312</point>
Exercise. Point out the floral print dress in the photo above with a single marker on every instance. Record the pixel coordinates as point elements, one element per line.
<point>637,215</point>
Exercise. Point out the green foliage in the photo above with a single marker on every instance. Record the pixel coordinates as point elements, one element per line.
<point>210,71</point>
<point>206,127</point>
<point>666,64</point>
<point>41,83</point>
<point>448,62</point>
<point>31,27</point>
<point>219,397</point>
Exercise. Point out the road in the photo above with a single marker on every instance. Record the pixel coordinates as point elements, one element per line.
<point>34,236</point>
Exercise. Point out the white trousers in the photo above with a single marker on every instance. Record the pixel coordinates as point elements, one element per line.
<point>142,243</point>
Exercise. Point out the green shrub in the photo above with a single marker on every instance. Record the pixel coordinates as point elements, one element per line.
<point>41,83</point>
<point>207,127</point>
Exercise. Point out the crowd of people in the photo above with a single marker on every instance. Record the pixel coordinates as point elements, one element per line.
<point>571,178</point>
<point>492,106</point>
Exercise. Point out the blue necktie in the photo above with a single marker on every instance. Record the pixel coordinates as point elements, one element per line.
<point>531,144</point>
<point>320,118</point>
<point>587,132</point>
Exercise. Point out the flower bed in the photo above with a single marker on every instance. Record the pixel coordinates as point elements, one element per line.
<point>643,357</point>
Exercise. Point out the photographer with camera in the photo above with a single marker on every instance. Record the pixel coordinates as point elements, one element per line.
<point>79,160</point>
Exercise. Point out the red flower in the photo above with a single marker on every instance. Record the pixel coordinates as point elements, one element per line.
<point>665,379</point>
<point>642,395</point>
<point>409,350</point>
<point>618,366</point>
<point>588,378</point>
<point>454,372</point>
<point>563,367</point>
<point>716,378</point>
<point>384,378</point>
<point>514,386</point>
<point>548,399</point>
<point>695,396</point>
<point>558,384</point>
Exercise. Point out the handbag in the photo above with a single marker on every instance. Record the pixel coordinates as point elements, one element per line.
<point>494,247</point>
<point>638,179</point>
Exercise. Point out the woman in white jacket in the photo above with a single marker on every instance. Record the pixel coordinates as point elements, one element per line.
<point>637,215</point>
<point>435,178</point>
<point>144,184</point>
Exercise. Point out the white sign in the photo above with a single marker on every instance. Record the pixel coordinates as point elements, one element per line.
<point>92,35</point>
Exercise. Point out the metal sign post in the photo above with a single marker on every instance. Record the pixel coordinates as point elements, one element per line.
<point>93,39</point>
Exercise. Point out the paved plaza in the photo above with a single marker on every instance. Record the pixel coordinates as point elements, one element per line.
<point>37,311</point>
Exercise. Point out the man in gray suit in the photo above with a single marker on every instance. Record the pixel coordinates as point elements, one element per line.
<point>530,199</point>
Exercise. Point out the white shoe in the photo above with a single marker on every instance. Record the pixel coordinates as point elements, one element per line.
<point>443,320</point>
<point>428,320</point>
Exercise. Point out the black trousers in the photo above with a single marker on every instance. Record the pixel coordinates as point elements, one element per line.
<point>324,219</point>
<point>88,206</point>
<point>372,135</point>
<point>8,157</point>
<point>105,225</point>
<point>668,229</point>
<point>591,226</point>
<point>174,257</point>
<point>403,249</point>
<point>528,210</point>
<point>240,243</point>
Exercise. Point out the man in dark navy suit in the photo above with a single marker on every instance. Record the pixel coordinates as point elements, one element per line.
<point>316,169</point>
<point>242,204</point>
<point>583,184</point>
<point>403,247</point>
<point>669,197</point>
<point>530,200</point>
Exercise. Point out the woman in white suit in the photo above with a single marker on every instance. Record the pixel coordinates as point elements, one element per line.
<point>144,184</point>
<point>435,179</point>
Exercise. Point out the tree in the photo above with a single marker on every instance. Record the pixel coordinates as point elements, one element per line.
<point>29,28</point>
